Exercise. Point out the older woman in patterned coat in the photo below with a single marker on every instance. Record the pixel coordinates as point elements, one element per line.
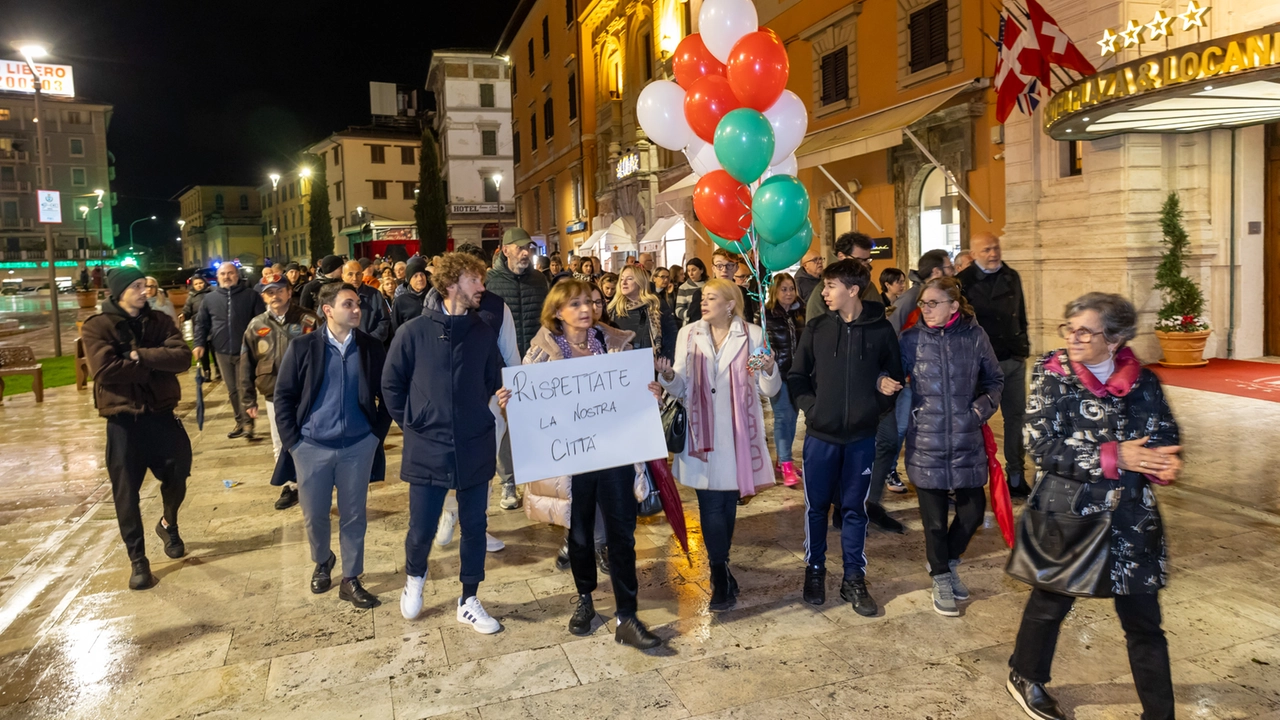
<point>1097,422</point>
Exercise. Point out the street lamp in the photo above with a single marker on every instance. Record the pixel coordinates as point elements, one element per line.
<point>31,52</point>
<point>497,189</point>
<point>135,222</point>
<point>84,216</point>
<point>275,180</point>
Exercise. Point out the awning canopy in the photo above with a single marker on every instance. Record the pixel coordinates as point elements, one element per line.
<point>683,188</point>
<point>588,246</point>
<point>618,237</point>
<point>877,131</point>
<point>653,239</point>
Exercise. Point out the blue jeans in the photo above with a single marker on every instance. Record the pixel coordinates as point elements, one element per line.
<point>784,424</point>
<point>840,472</point>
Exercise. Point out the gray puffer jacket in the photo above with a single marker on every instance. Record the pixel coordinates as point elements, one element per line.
<point>955,385</point>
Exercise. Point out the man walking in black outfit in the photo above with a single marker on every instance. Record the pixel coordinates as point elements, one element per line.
<point>219,329</point>
<point>135,355</point>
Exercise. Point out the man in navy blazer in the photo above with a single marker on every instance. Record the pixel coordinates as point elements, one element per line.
<point>331,416</point>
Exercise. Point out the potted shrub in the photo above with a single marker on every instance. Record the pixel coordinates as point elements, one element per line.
<point>86,297</point>
<point>1180,325</point>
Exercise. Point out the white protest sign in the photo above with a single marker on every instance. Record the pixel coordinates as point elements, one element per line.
<point>569,417</point>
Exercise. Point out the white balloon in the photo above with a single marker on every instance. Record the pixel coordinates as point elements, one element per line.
<point>660,111</point>
<point>790,121</point>
<point>789,166</point>
<point>724,22</point>
<point>702,156</point>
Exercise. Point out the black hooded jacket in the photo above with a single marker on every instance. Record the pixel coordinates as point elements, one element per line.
<point>836,369</point>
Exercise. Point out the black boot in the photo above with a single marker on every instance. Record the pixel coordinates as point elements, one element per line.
<point>583,616</point>
<point>173,545</point>
<point>1034,699</point>
<point>602,559</point>
<point>854,591</point>
<point>881,519</point>
<point>733,582</point>
<point>141,578</point>
<point>288,498</point>
<point>815,585</point>
<point>633,632</point>
<point>721,597</point>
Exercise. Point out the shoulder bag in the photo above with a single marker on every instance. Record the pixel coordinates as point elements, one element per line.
<point>1058,549</point>
<point>675,422</point>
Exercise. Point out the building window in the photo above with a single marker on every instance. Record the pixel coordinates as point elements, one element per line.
<point>551,198</point>
<point>77,177</point>
<point>577,197</point>
<point>337,191</point>
<point>548,119</point>
<point>410,190</point>
<point>647,41</point>
<point>573,97</point>
<point>686,18</point>
<point>1072,158</point>
<point>488,142</point>
<point>546,37</point>
<point>486,95</point>
<point>615,76</point>
<point>73,118</point>
<point>244,202</point>
<point>513,81</point>
<point>218,203</point>
<point>4,114</point>
<point>337,154</point>
<point>515,148</point>
<point>377,154</point>
<point>568,12</point>
<point>537,209</point>
<point>927,31</point>
<point>533,133</point>
<point>77,147</point>
<point>531,56</point>
<point>406,155</point>
<point>379,189</point>
<point>835,76</point>
<point>490,190</point>
<point>293,189</point>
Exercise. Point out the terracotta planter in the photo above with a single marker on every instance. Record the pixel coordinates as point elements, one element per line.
<point>1183,349</point>
<point>88,299</point>
<point>178,296</point>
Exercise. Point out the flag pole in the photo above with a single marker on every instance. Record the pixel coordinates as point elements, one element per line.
<point>1050,65</point>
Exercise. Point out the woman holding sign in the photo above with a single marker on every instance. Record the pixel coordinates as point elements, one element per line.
<point>569,330</point>
<point>720,372</point>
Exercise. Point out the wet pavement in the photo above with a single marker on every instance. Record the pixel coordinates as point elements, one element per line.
<point>25,320</point>
<point>232,631</point>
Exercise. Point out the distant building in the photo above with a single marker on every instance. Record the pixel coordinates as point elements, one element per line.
<point>372,170</point>
<point>79,163</point>
<point>286,216</point>
<point>221,223</point>
<point>473,122</point>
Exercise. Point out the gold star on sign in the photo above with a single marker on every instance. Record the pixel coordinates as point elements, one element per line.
<point>1194,16</point>
<point>1159,26</point>
<point>1132,34</point>
<point>1108,41</point>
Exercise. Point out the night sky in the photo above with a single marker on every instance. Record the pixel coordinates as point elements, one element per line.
<point>209,92</point>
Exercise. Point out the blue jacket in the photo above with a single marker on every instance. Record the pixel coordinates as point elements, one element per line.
<point>375,319</point>
<point>298,384</point>
<point>224,314</point>
<point>441,371</point>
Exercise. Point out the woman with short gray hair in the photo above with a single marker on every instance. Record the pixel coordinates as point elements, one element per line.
<point>1101,434</point>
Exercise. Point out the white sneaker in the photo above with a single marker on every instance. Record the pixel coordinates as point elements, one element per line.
<point>411,598</point>
<point>444,533</point>
<point>492,544</point>
<point>473,613</point>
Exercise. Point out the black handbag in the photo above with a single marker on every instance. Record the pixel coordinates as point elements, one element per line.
<point>1058,549</point>
<point>675,424</point>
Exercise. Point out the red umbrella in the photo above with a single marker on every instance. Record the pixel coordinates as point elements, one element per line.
<point>672,507</point>
<point>1001,505</point>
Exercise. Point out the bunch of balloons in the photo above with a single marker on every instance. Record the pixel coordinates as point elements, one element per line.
<point>731,114</point>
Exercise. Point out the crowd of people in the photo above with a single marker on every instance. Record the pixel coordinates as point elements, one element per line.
<point>917,365</point>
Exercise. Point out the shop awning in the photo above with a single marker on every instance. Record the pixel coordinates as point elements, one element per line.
<point>877,131</point>
<point>588,246</point>
<point>618,237</point>
<point>653,239</point>
<point>682,189</point>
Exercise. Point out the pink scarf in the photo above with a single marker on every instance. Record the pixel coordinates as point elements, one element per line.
<point>750,452</point>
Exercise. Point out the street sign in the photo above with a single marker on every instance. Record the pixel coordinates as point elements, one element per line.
<point>474,209</point>
<point>15,76</point>
<point>50,206</point>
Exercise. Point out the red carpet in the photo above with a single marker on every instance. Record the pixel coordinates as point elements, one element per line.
<point>1230,377</point>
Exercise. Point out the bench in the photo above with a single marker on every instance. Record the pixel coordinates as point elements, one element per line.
<point>21,361</point>
<point>82,365</point>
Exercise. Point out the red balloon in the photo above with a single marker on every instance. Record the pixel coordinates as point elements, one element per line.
<point>757,69</point>
<point>693,60</point>
<point>707,101</point>
<point>723,204</point>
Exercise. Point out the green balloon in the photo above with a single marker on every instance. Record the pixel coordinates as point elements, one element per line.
<point>780,207</point>
<point>740,246</point>
<point>744,144</point>
<point>780,256</point>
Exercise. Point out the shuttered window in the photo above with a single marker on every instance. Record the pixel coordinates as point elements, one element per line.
<point>835,76</point>
<point>928,36</point>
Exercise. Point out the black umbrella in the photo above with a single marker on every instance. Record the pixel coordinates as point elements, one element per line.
<point>199,398</point>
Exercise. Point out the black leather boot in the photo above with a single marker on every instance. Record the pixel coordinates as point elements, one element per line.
<point>721,597</point>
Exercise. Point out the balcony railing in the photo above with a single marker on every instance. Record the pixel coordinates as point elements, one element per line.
<point>18,155</point>
<point>58,254</point>
<point>15,186</point>
<point>16,223</point>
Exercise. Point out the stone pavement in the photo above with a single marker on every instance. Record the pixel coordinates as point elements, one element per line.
<point>231,630</point>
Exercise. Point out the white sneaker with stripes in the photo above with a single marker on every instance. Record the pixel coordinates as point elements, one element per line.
<point>473,613</point>
<point>411,598</point>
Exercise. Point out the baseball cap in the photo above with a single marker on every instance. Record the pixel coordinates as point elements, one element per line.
<point>273,285</point>
<point>516,236</point>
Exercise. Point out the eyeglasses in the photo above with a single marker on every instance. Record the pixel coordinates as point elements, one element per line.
<point>816,260</point>
<point>153,287</point>
<point>931,304</point>
<point>725,267</point>
<point>1082,335</point>
<point>597,303</point>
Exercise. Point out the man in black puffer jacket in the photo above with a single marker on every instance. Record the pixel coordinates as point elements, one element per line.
<point>219,329</point>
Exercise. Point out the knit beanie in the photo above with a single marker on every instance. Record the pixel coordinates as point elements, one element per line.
<point>330,263</point>
<point>416,264</point>
<point>119,279</point>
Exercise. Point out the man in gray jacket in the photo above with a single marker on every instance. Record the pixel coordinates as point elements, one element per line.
<point>219,329</point>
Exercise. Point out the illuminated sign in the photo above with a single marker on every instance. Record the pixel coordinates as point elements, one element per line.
<point>15,76</point>
<point>1132,34</point>
<point>628,165</point>
<point>477,209</point>
<point>50,206</point>
<point>1226,82</point>
<point>574,228</point>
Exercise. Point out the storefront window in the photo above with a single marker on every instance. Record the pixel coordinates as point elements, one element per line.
<point>937,231</point>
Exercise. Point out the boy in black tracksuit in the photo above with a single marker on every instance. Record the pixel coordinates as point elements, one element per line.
<point>834,379</point>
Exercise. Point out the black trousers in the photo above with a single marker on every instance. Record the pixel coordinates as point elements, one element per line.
<point>426,503</point>
<point>135,444</point>
<point>945,542</point>
<point>612,490</point>
<point>717,510</point>
<point>1148,649</point>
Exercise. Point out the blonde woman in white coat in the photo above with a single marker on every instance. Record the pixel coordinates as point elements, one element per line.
<point>725,454</point>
